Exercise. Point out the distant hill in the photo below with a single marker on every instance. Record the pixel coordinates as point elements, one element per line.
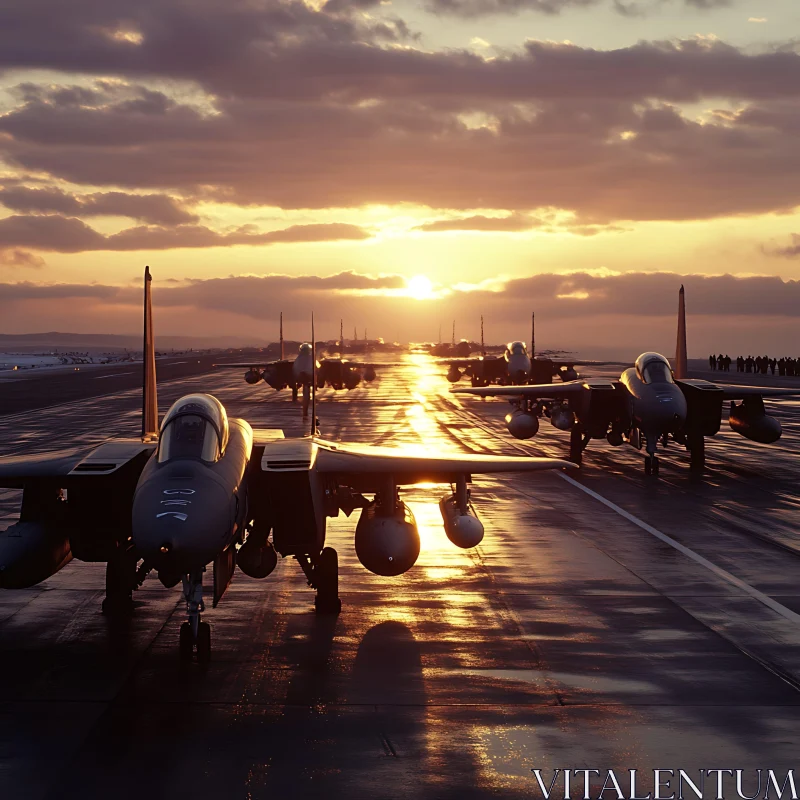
<point>110,342</point>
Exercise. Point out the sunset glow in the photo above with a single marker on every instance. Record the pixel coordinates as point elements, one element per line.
<point>464,141</point>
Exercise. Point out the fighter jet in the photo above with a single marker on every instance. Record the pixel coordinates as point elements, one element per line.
<point>648,405</point>
<point>516,367</point>
<point>298,373</point>
<point>203,488</point>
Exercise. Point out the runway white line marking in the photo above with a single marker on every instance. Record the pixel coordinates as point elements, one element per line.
<point>775,606</point>
<point>115,375</point>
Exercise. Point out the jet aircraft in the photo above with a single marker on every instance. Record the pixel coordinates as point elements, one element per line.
<point>516,367</point>
<point>298,373</point>
<point>203,488</point>
<point>648,404</point>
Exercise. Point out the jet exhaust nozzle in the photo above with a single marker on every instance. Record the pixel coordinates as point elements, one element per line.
<point>750,420</point>
<point>522,424</point>
<point>562,417</point>
<point>369,374</point>
<point>568,374</point>
<point>387,544</point>
<point>614,438</point>
<point>253,376</point>
<point>454,374</point>
<point>463,529</point>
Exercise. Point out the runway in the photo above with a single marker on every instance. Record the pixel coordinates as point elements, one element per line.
<point>608,620</point>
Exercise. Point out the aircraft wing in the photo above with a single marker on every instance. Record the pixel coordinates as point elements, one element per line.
<point>67,466</point>
<point>375,364</point>
<point>571,362</point>
<point>363,464</point>
<point>250,364</point>
<point>540,390</point>
<point>456,361</point>
<point>731,392</point>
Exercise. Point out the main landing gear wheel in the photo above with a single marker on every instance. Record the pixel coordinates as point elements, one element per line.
<point>651,465</point>
<point>186,642</point>
<point>575,446</point>
<point>326,581</point>
<point>203,643</point>
<point>120,582</point>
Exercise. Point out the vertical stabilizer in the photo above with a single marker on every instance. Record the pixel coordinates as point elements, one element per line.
<point>149,395</point>
<point>281,335</point>
<point>681,357</point>
<point>533,334</point>
<point>313,379</point>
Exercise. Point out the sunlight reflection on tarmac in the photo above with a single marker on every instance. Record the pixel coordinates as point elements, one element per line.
<point>568,638</point>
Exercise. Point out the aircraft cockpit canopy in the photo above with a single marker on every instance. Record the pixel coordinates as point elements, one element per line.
<point>195,427</point>
<point>653,368</point>
<point>516,348</point>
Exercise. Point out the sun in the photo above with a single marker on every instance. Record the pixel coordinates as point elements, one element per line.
<point>420,288</point>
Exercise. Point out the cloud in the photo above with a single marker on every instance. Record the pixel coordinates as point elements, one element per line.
<point>71,235</point>
<point>757,19</point>
<point>789,251</point>
<point>154,209</point>
<point>20,258</point>
<point>336,109</point>
<point>511,223</point>
<point>623,314</point>
<point>476,8</point>
<point>568,295</point>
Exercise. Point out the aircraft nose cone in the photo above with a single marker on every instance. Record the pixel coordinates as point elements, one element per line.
<point>179,531</point>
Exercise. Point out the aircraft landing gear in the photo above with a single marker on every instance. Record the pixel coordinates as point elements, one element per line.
<point>325,577</point>
<point>651,465</point>
<point>195,634</point>
<point>577,444</point>
<point>696,444</point>
<point>121,580</point>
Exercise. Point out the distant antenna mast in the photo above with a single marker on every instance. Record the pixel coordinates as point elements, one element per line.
<point>483,345</point>
<point>341,334</point>
<point>281,334</point>
<point>365,334</point>
<point>440,333</point>
<point>454,333</point>
<point>533,334</point>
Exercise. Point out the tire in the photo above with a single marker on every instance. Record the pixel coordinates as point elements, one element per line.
<point>326,577</point>
<point>648,466</point>
<point>185,642</point>
<point>203,643</point>
<point>120,578</point>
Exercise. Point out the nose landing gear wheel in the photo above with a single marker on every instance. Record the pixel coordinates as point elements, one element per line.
<point>326,580</point>
<point>194,632</point>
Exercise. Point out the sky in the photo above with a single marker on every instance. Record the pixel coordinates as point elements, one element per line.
<point>402,164</point>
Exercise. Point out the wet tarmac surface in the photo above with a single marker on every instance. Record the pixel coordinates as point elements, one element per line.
<point>578,634</point>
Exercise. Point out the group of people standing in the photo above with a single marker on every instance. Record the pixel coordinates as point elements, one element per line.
<point>760,364</point>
